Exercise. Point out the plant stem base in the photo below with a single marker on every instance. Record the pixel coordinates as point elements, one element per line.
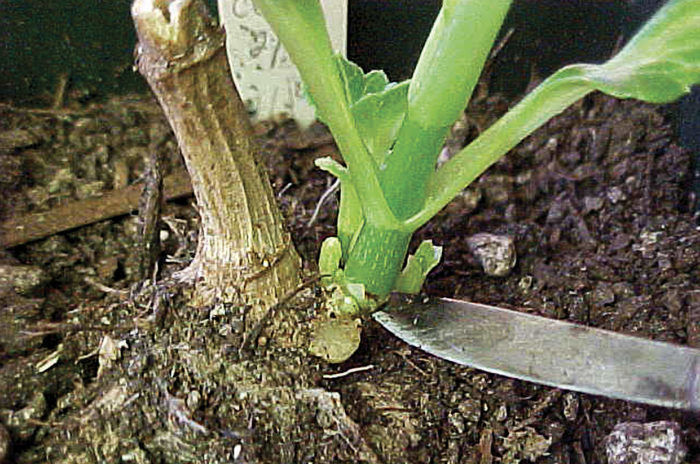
<point>376,259</point>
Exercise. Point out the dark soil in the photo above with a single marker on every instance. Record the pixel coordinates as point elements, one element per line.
<point>95,369</point>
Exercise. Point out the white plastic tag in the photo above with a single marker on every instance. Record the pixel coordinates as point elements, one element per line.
<point>265,76</point>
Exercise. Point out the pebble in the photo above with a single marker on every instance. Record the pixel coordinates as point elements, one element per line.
<point>465,202</point>
<point>23,279</point>
<point>592,204</point>
<point>602,295</point>
<point>495,253</point>
<point>470,409</point>
<point>650,443</point>
<point>616,195</point>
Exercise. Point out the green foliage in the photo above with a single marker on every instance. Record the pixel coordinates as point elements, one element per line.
<point>418,266</point>
<point>378,108</point>
<point>660,63</point>
<point>391,134</point>
<point>378,118</point>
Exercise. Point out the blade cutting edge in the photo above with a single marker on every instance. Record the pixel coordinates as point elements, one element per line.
<point>548,351</point>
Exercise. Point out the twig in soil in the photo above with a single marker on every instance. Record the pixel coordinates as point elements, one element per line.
<point>76,214</point>
<point>329,404</point>
<point>60,94</point>
<point>541,405</point>
<point>104,288</point>
<point>349,371</point>
<point>412,364</point>
<point>48,328</point>
<point>178,409</point>
<point>578,453</point>
<point>150,205</point>
<point>329,191</point>
<point>138,106</point>
<point>485,443</point>
<point>41,423</point>
<point>284,190</point>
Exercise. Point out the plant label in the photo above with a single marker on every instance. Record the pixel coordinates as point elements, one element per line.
<point>265,76</point>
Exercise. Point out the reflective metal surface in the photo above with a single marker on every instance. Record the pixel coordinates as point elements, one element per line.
<point>548,351</point>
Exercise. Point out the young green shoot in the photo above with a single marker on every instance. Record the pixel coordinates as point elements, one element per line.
<point>390,134</point>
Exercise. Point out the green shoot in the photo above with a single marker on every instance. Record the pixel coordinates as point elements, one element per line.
<point>391,134</point>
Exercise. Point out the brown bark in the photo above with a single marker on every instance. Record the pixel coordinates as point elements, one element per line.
<point>243,248</point>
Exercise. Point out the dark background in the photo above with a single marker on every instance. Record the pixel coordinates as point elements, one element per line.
<point>92,41</point>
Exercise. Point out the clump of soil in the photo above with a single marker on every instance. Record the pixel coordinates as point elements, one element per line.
<point>97,369</point>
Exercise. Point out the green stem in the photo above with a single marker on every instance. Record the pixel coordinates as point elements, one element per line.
<point>408,167</point>
<point>376,258</point>
<point>442,83</point>
<point>301,27</point>
<point>452,59</point>
<point>550,98</point>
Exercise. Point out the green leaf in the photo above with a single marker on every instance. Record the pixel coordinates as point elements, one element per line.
<point>352,77</point>
<point>418,266</point>
<point>300,26</point>
<point>350,217</point>
<point>376,81</point>
<point>378,109</point>
<point>357,83</point>
<point>330,165</point>
<point>378,118</point>
<point>378,106</point>
<point>329,259</point>
<point>659,64</point>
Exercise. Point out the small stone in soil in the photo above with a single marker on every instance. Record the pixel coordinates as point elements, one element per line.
<point>495,253</point>
<point>654,442</point>
<point>25,280</point>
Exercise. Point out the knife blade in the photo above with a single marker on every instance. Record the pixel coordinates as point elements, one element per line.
<point>548,351</point>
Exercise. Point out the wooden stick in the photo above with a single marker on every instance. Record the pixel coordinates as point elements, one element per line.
<point>75,214</point>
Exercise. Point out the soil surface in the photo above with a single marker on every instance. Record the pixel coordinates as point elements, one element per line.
<point>96,366</point>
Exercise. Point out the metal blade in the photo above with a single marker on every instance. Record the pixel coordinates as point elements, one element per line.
<point>547,351</point>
